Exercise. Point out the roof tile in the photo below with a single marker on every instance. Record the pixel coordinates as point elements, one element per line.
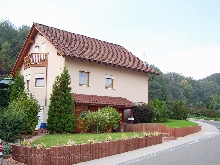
<point>79,46</point>
<point>102,100</point>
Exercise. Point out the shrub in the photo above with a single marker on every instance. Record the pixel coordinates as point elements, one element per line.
<point>26,104</point>
<point>61,114</point>
<point>4,98</point>
<point>102,120</point>
<point>6,148</point>
<point>143,113</point>
<point>160,111</point>
<point>112,117</point>
<point>11,124</point>
<point>179,110</point>
<point>94,121</point>
<point>204,113</point>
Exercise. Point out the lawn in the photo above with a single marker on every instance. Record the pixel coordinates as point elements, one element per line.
<point>62,139</point>
<point>179,123</point>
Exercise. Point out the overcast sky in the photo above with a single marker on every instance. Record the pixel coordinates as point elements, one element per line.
<point>181,36</point>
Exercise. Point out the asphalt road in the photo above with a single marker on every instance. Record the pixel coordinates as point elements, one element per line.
<point>204,152</point>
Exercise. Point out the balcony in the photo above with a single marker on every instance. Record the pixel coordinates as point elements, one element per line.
<point>35,59</point>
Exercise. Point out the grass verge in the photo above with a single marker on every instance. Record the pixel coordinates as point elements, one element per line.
<point>179,123</point>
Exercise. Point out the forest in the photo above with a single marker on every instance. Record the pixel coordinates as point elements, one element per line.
<point>166,86</point>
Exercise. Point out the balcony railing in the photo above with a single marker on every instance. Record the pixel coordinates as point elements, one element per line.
<point>35,59</point>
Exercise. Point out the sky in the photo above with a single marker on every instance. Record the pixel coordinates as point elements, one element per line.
<point>181,36</point>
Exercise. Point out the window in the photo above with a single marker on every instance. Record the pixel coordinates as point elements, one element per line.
<point>83,78</point>
<point>109,79</point>
<point>27,84</point>
<point>28,81</point>
<point>39,80</point>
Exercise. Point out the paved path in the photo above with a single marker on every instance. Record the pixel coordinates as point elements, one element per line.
<point>131,157</point>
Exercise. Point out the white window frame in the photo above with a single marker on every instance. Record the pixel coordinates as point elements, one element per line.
<point>109,77</point>
<point>39,78</point>
<point>81,82</point>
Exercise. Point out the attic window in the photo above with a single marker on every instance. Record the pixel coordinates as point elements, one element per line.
<point>83,78</point>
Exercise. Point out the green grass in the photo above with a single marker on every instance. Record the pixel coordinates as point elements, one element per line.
<point>62,139</point>
<point>179,123</point>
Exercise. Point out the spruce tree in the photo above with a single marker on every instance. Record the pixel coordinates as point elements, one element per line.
<point>61,114</point>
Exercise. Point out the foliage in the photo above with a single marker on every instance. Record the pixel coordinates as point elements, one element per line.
<point>4,98</point>
<point>94,121</point>
<point>11,124</point>
<point>61,114</point>
<point>143,113</point>
<point>112,117</point>
<point>18,88</point>
<point>102,120</point>
<point>6,148</point>
<point>160,111</point>
<point>159,87</point>
<point>11,41</point>
<point>203,112</point>
<point>179,110</point>
<point>29,106</point>
<point>174,86</point>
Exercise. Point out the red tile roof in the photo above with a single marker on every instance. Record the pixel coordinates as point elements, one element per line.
<point>86,48</point>
<point>102,100</point>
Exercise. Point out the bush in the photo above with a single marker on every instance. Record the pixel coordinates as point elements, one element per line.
<point>6,148</point>
<point>102,120</point>
<point>195,112</point>
<point>4,98</point>
<point>143,113</point>
<point>160,111</point>
<point>179,110</point>
<point>11,124</point>
<point>112,117</point>
<point>26,104</point>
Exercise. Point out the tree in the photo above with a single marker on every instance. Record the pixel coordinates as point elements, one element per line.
<point>6,62</point>
<point>18,88</point>
<point>61,114</point>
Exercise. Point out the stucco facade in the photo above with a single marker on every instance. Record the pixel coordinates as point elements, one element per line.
<point>129,84</point>
<point>47,50</point>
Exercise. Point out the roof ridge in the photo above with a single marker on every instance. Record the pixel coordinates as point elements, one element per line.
<point>82,35</point>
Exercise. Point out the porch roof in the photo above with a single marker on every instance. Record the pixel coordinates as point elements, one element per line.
<point>102,100</point>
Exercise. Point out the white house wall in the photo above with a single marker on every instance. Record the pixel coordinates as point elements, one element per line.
<point>129,84</point>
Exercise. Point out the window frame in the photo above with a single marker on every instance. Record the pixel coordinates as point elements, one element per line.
<point>88,78</point>
<point>39,78</point>
<point>109,77</point>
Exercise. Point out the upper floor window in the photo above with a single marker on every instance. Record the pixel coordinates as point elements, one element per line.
<point>109,81</point>
<point>83,78</point>
<point>39,80</point>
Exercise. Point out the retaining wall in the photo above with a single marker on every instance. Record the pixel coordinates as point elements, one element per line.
<point>176,132</point>
<point>68,155</point>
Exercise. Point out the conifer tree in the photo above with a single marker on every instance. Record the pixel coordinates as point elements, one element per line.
<point>61,114</point>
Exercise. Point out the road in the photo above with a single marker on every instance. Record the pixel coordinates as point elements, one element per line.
<point>202,152</point>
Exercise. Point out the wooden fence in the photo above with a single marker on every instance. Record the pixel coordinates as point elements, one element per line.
<point>176,132</point>
<point>68,155</point>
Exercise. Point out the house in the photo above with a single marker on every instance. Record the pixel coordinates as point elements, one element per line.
<point>102,73</point>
